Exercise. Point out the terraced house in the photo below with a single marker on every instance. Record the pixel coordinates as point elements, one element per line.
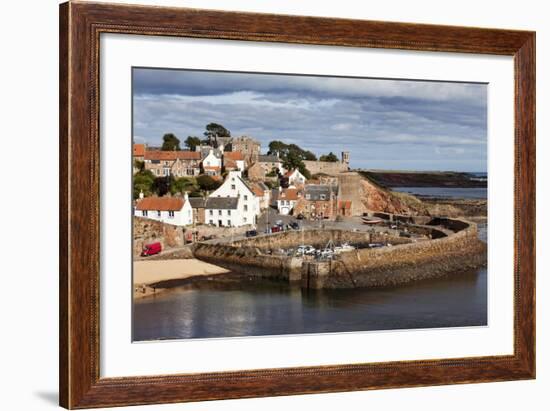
<point>318,201</point>
<point>173,163</point>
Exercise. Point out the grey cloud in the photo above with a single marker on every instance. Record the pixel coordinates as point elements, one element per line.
<point>384,125</point>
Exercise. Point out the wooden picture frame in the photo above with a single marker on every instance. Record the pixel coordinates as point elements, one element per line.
<point>80,27</point>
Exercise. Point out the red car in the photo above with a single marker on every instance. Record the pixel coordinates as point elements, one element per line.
<point>276,229</point>
<point>151,249</point>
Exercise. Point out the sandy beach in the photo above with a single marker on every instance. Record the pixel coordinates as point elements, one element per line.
<point>154,271</point>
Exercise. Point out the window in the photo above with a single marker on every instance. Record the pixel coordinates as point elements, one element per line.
<point>322,196</point>
<point>229,223</point>
<point>244,219</point>
<point>245,207</point>
<point>211,212</point>
<point>228,212</point>
<point>144,213</point>
<point>158,213</point>
<point>232,179</point>
<point>232,186</point>
<point>171,214</point>
<point>245,197</point>
<point>219,212</point>
<point>211,221</point>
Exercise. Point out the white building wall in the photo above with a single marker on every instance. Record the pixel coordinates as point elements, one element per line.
<point>211,160</point>
<point>182,217</point>
<point>248,207</point>
<point>285,206</point>
<point>228,218</point>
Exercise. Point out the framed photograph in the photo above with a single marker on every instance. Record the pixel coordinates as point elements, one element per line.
<point>259,205</point>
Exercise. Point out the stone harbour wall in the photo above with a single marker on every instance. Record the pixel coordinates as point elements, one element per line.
<point>407,260</point>
<point>316,238</point>
<point>249,261</point>
<point>148,231</point>
<point>398,265</point>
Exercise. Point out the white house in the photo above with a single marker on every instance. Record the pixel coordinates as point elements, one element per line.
<point>287,199</point>
<point>295,178</point>
<point>223,212</point>
<point>170,210</point>
<point>212,164</point>
<point>248,204</point>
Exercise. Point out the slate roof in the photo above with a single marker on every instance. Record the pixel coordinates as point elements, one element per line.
<point>205,150</point>
<point>315,191</point>
<point>197,202</point>
<point>222,203</point>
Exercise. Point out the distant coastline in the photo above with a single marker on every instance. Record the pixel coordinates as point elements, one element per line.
<point>405,178</point>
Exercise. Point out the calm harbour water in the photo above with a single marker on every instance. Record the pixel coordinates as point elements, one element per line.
<point>448,192</point>
<point>230,309</point>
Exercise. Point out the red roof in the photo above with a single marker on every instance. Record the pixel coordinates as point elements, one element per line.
<point>160,203</point>
<point>344,204</point>
<point>257,190</point>
<point>172,155</point>
<point>233,155</point>
<point>229,163</point>
<point>139,150</point>
<point>289,194</point>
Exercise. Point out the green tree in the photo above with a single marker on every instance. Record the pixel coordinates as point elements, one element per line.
<point>214,130</point>
<point>182,185</point>
<point>308,155</point>
<point>330,157</point>
<point>207,183</point>
<point>139,165</point>
<point>192,142</point>
<point>143,182</point>
<point>283,150</point>
<point>162,185</point>
<point>277,147</point>
<point>170,142</point>
<point>272,183</point>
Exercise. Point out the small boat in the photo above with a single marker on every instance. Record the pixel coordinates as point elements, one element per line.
<point>343,248</point>
<point>372,220</point>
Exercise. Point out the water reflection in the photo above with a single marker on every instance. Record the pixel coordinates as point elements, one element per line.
<point>230,307</point>
<point>226,309</point>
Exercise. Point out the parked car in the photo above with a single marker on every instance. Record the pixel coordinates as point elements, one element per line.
<point>300,216</point>
<point>251,233</point>
<point>151,249</point>
<point>294,225</point>
<point>305,249</point>
<point>276,229</point>
<point>279,223</point>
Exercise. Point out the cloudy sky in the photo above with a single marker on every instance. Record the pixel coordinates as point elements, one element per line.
<point>385,124</point>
